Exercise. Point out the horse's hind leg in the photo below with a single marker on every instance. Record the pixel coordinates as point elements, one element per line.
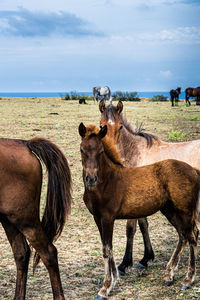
<point>148,251</point>
<point>190,277</point>
<point>128,256</point>
<point>21,253</point>
<point>48,253</point>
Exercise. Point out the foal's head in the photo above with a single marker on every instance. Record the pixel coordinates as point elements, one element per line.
<point>94,146</point>
<point>111,116</point>
<point>91,149</point>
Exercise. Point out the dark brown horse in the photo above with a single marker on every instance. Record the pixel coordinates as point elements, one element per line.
<point>139,148</point>
<point>20,189</point>
<point>192,92</point>
<point>174,95</point>
<point>113,191</point>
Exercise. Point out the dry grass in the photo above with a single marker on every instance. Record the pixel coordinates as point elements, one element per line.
<point>79,246</point>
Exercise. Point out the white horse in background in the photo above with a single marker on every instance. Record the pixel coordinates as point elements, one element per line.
<point>102,93</point>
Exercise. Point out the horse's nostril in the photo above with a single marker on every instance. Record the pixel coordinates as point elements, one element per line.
<point>87,178</point>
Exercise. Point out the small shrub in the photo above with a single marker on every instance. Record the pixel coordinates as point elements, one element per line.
<point>159,98</point>
<point>67,96</point>
<point>176,135</point>
<point>194,118</point>
<point>126,96</point>
<point>74,95</point>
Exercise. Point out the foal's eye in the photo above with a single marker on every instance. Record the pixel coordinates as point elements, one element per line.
<point>81,150</point>
<point>120,128</point>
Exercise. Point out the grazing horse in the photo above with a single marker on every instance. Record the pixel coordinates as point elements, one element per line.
<point>139,148</point>
<point>20,190</point>
<point>174,95</point>
<point>192,92</point>
<point>113,191</point>
<point>102,93</point>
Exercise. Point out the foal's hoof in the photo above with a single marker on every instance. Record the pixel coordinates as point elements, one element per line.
<point>184,287</point>
<point>168,283</point>
<point>140,266</point>
<point>121,272</point>
<point>98,297</point>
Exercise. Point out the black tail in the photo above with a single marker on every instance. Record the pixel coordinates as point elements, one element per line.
<point>58,200</point>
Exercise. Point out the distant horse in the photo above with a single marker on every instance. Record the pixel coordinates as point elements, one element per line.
<point>192,92</point>
<point>139,148</point>
<point>82,101</point>
<point>174,95</point>
<point>102,93</point>
<point>113,191</point>
<point>20,190</point>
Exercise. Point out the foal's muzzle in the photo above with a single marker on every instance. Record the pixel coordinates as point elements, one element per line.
<point>91,181</point>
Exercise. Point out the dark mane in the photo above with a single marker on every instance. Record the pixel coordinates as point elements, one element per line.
<point>111,113</point>
<point>139,131</point>
<point>110,148</point>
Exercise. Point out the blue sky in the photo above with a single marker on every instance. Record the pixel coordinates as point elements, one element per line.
<point>62,46</point>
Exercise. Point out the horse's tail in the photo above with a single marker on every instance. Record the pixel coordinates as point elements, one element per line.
<point>58,199</point>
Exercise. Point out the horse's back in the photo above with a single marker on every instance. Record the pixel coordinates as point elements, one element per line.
<point>16,157</point>
<point>20,175</point>
<point>182,181</point>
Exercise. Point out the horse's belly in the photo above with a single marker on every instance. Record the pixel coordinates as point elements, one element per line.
<point>141,205</point>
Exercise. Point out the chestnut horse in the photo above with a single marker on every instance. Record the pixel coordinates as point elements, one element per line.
<point>113,191</point>
<point>139,148</point>
<point>20,190</point>
<point>192,92</point>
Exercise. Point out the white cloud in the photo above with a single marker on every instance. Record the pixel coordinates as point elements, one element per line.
<point>179,35</point>
<point>166,74</point>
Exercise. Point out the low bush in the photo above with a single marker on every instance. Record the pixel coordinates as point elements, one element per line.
<point>159,98</point>
<point>126,96</point>
<point>176,135</point>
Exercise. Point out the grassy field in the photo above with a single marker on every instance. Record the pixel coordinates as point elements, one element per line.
<point>79,247</point>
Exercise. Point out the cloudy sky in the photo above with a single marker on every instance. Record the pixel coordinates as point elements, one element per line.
<point>67,45</point>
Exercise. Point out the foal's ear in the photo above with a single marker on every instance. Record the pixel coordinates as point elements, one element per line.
<point>102,132</point>
<point>82,130</point>
<point>102,106</point>
<point>119,107</point>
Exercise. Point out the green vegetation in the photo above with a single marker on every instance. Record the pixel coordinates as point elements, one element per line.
<point>159,98</point>
<point>74,96</point>
<point>176,135</point>
<point>194,118</point>
<point>126,96</point>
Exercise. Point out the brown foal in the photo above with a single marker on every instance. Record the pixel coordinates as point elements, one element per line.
<point>113,191</point>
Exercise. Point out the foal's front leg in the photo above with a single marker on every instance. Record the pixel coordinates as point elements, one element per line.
<point>106,231</point>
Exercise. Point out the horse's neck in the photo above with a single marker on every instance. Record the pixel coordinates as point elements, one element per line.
<point>108,167</point>
<point>130,146</point>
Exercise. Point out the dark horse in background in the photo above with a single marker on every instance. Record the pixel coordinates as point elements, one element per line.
<point>20,190</point>
<point>174,95</point>
<point>192,92</point>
